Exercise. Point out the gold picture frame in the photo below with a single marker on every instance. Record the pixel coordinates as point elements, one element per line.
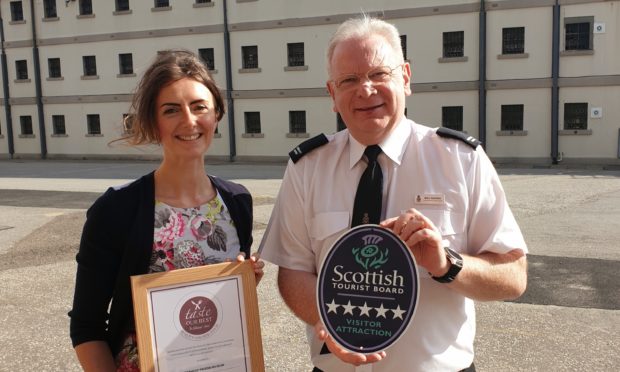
<point>200,318</point>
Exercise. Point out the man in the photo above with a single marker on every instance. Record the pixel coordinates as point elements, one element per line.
<point>439,189</point>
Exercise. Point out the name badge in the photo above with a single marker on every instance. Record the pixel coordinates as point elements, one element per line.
<point>433,199</point>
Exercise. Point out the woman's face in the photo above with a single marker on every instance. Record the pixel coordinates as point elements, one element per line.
<point>186,119</point>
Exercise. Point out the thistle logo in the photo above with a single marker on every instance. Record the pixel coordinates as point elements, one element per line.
<point>370,256</point>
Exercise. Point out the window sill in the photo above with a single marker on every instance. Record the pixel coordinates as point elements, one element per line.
<point>60,78</point>
<point>89,77</point>
<point>1,135</point>
<point>298,135</point>
<point>121,12</point>
<point>250,70</point>
<point>245,1</point>
<point>569,53</point>
<point>511,133</point>
<point>253,135</point>
<point>125,75</point>
<point>203,5</point>
<point>60,135</point>
<point>50,19</point>
<point>575,132</point>
<point>161,9</point>
<point>22,80</point>
<point>513,56</point>
<point>26,136</point>
<point>22,22</point>
<point>217,135</point>
<point>82,16</point>
<point>93,135</point>
<point>295,68</point>
<point>213,72</point>
<point>452,59</point>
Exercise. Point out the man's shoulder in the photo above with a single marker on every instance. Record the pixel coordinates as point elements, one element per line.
<point>448,133</point>
<point>309,145</point>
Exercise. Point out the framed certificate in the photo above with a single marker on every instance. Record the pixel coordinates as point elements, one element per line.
<point>198,319</point>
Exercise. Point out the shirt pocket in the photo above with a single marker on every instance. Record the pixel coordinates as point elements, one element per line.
<point>449,222</point>
<point>329,223</point>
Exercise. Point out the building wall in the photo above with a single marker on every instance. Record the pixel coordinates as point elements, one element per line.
<point>273,89</point>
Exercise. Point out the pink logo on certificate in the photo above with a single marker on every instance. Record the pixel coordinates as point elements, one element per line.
<point>198,315</point>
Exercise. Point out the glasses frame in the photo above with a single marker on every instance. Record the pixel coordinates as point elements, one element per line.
<point>361,78</point>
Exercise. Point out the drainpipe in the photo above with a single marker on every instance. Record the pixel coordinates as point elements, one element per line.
<point>482,76</point>
<point>7,94</point>
<point>555,90</point>
<point>229,88</point>
<point>37,84</point>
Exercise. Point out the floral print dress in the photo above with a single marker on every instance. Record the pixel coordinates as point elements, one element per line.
<point>185,237</point>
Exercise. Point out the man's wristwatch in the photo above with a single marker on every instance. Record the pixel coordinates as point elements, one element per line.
<point>456,264</point>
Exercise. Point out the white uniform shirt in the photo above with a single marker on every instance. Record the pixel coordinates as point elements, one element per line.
<point>445,179</point>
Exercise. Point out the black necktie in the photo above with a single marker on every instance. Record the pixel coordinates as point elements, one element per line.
<point>367,207</point>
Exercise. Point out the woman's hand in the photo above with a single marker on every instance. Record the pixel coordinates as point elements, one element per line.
<point>257,264</point>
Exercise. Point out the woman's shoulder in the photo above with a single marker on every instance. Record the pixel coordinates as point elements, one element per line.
<point>230,187</point>
<point>124,196</point>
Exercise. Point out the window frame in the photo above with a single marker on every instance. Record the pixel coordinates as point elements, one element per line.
<point>572,21</point>
<point>53,71</point>
<point>513,43</point>
<point>295,54</point>
<point>252,122</point>
<point>50,9</point>
<point>451,115</point>
<point>89,64</point>
<point>25,122</point>
<point>21,70</point>
<point>248,51</point>
<point>160,4</point>
<point>93,120</point>
<point>511,119</point>
<point>453,44</point>
<point>403,45</point>
<point>125,64</point>
<point>86,5</point>
<point>17,15</point>
<point>297,123</point>
<point>118,3</point>
<point>209,61</point>
<point>58,121</point>
<point>573,114</point>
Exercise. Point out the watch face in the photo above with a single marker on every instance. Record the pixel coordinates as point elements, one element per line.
<point>454,257</point>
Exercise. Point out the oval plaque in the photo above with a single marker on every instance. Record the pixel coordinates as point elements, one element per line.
<point>367,289</point>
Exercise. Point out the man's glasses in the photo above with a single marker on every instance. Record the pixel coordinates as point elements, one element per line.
<point>377,75</point>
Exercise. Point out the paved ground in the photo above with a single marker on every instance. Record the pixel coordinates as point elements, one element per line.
<point>568,320</point>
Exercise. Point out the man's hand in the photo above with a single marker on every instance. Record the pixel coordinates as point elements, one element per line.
<point>344,354</point>
<point>423,239</point>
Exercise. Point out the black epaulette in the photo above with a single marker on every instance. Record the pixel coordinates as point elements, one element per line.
<point>451,133</point>
<point>307,146</point>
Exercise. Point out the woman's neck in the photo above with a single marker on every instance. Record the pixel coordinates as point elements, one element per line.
<point>183,184</point>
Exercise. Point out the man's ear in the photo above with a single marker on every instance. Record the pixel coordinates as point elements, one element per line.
<point>330,89</point>
<point>407,78</point>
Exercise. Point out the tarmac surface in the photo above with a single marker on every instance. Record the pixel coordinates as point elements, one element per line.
<point>568,319</point>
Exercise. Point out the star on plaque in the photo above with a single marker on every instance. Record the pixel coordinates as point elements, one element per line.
<point>332,307</point>
<point>348,308</point>
<point>398,313</point>
<point>381,310</point>
<point>364,310</point>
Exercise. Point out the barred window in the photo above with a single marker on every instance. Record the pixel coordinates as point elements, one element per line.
<point>202,1</point>
<point>578,36</point>
<point>49,9</point>
<point>125,61</point>
<point>25,123</point>
<point>295,54</point>
<point>122,5</point>
<point>53,65</point>
<point>512,118</point>
<point>93,124</point>
<point>90,65</point>
<point>576,116</point>
<point>17,12</point>
<point>86,7</point>
<point>297,121</point>
<point>453,44</point>
<point>513,40</point>
<point>207,57</point>
<point>21,69</point>
<point>452,117</point>
<point>403,45</point>
<point>252,122</point>
<point>162,3</point>
<point>58,125</point>
<point>250,56</point>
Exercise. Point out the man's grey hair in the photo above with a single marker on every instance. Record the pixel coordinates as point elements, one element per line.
<point>362,27</point>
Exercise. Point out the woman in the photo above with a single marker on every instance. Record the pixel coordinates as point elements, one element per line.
<point>175,217</point>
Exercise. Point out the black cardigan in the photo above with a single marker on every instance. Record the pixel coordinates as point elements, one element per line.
<point>116,243</point>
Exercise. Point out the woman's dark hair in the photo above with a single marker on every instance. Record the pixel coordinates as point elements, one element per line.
<point>169,66</point>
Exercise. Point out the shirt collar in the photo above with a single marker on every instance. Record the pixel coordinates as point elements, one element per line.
<point>393,146</point>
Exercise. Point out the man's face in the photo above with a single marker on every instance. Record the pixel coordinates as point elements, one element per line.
<point>369,104</point>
